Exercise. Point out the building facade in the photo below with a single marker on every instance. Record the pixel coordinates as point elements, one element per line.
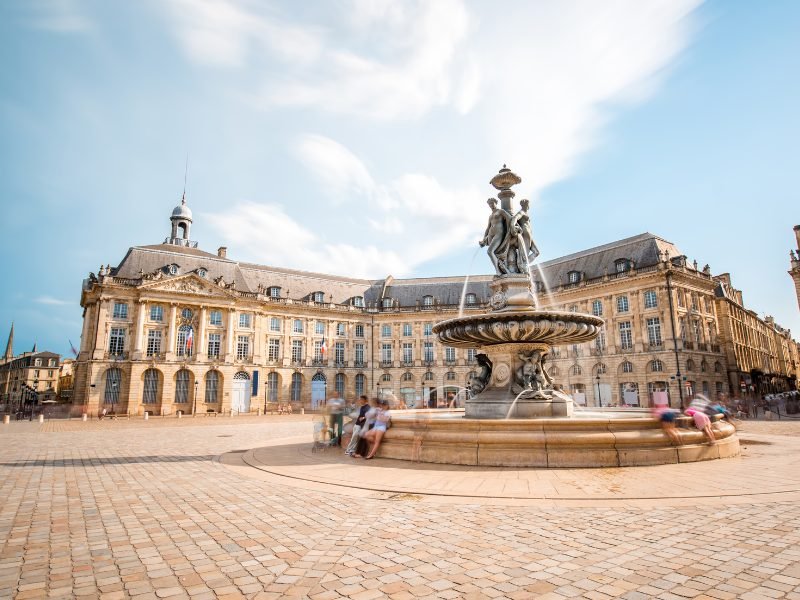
<point>794,264</point>
<point>28,378</point>
<point>174,328</point>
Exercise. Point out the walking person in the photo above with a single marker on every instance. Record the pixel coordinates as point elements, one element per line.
<point>336,411</point>
<point>359,426</point>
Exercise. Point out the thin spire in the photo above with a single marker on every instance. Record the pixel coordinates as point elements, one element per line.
<point>185,174</point>
<point>34,348</point>
<point>10,345</point>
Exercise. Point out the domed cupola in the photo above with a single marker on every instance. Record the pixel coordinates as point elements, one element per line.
<point>181,225</point>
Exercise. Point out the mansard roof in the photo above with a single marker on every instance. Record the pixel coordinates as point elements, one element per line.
<point>642,250</point>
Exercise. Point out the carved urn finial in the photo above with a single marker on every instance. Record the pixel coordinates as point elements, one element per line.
<point>504,181</point>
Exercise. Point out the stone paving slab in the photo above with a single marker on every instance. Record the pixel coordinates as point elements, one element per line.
<point>137,510</point>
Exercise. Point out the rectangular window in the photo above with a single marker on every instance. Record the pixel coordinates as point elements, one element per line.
<point>600,341</point>
<point>408,352</point>
<point>215,317</point>
<point>242,347</point>
<point>386,352</point>
<point>650,299</point>
<point>428,351</point>
<point>597,308</point>
<point>386,331</point>
<point>274,350</point>
<point>274,292</point>
<point>698,331</point>
<point>120,310</point>
<point>427,329</point>
<point>450,354</point>
<point>654,331</point>
<point>297,351</point>
<point>116,344</point>
<point>153,342</point>
<point>319,328</point>
<point>185,344</point>
<point>338,353</point>
<point>359,331</point>
<point>406,329</point>
<point>317,350</point>
<point>297,326</point>
<point>360,353</point>
<point>625,335</point>
<point>156,313</point>
<point>274,324</point>
<point>622,304</point>
<point>340,329</point>
<point>213,345</point>
<point>471,352</point>
<point>244,320</point>
<point>694,301</point>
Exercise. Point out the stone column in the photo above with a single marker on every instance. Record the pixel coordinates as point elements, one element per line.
<point>229,335</point>
<point>102,326</point>
<point>137,340</point>
<point>201,344</point>
<point>173,316</point>
<point>258,338</point>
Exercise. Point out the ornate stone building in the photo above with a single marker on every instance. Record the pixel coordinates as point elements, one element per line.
<point>30,377</point>
<point>174,328</point>
<point>794,259</point>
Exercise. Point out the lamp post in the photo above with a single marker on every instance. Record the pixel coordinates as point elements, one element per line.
<point>266,385</point>
<point>599,398</point>
<point>194,409</point>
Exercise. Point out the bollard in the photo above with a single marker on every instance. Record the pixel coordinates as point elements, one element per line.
<point>302,410</point>
<point>41,418</point>
<point>180,414</point>
<point>84,417</point>
<point>6,419</point>
<point>259,412</point>
<point>146,415</point>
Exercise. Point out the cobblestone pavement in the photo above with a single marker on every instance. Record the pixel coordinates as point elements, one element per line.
<point>165,509</point>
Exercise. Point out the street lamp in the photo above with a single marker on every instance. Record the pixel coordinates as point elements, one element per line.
<point>194,410</point>
<point>266,386</point>
<point>599,398</point>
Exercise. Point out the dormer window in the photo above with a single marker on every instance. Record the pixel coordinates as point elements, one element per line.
<point>274,291</point>
<point>318,296</point>
<point>573,276</point>
<point>386,303</point>
<point>427,301</point>
<point>471,299</point>
<point>202,272</point>
<point>358,301</point>
<point>622,265</point>
<point>173,269</point>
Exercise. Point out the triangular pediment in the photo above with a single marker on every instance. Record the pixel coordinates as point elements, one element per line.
<point>191,283</point>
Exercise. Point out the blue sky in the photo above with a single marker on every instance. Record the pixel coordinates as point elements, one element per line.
<point>358,137</point>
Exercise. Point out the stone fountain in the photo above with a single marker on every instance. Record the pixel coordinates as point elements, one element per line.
<point>517,415</point>
<point>515,337</point>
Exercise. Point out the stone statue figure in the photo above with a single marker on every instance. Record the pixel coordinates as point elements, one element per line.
<point>509,239</point>
<point>479,382</point>
<point>531,378</point>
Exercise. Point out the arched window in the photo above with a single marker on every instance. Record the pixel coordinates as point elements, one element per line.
<point>450,376</point>
<point>212,385</point>
<point>600,369</point>
<point>360,384</point>
<point>717,367</point>
<point>187,313</point>
<point>272,387</point>
<point>622,265</point>
<point>656,366</point>
<point>554,371</point>
<point>428,376</point>
<point>338,383</point>
<point>575,370</point>
<point>703,366</point>
<point>150,393</point>
<point>113,384</point>
<point>297,386</point>
<point>690,365</point>
<point>627,367</point>
<point>182,379</point>
<point>407,376</point>
<point>386,378</point>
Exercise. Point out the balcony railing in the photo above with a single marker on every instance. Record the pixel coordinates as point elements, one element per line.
<point>318,362</point>
<point>688,345</point>
<point>656,346</point>
<point>360,364</point>
<point>407,363</point>
<point>386,364</point>
<point>117,355</point>
<point>340,364</point>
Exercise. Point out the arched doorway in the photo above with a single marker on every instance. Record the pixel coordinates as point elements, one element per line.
<point>240,395</point>
<point>318,386</point>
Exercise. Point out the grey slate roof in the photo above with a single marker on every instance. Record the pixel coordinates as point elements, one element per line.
<point>643,250</point>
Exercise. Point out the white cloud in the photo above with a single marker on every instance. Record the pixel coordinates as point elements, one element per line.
<point>48,300</point>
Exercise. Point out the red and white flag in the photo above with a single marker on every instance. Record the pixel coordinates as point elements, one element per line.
<point>189,341</point>
<point>323,348</point>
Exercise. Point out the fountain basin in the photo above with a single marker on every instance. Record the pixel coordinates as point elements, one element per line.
<point>615,440</point>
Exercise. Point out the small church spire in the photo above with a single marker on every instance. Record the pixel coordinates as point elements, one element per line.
<point>10,345</point>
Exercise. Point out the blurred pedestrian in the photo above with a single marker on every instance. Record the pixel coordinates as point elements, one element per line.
<point>359,426</point>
